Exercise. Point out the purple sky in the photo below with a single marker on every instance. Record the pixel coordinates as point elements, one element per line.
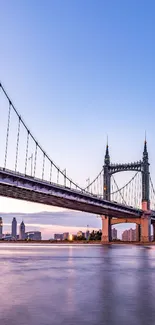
<point>77,71</point>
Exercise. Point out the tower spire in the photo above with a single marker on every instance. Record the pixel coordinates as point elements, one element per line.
<point>145,177</point>
<point>107,156</point>
<point>107,140</point>
<point>145,152</point>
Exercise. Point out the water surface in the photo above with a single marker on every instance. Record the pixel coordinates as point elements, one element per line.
<point>53,284</point>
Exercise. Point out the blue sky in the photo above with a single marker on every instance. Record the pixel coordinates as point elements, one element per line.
<point>77,71</point>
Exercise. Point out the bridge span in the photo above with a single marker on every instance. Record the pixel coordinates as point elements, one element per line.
<point>18,186</point>
<point>28,173</point>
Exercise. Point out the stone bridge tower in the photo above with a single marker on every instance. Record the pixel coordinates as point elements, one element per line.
<point>140,166</point>
<point>145,179</point>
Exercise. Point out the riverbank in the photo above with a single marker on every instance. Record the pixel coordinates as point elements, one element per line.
<point>81,242</point>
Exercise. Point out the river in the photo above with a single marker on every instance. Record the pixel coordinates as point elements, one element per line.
<point>72,285</point>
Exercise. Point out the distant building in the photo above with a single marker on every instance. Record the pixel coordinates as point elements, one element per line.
<point>125,235</point>
<point>70,237</point>
<point>14,228</point>
<point>1,227</point>
<point>22,231</point>
<point>80,234</point>
<point>114,234</point>
<point>65,235</point>
<point>58,236</point>
<point>33,235</point>
<point>87,234</point>
<point>7,237</point>
<point>129,235</point>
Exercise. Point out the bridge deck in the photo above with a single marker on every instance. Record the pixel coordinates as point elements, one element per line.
<point>20,186</point>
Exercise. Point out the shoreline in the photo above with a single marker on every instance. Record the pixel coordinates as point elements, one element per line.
<point>87,243</point>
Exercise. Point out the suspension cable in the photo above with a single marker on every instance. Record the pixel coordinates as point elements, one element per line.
<point>34,139</point>
<point>119,190</point>
<point>126,183</point>
<point>93,180</point>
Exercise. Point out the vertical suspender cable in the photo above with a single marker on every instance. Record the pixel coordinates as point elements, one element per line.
<point>51,171</point>
<point>17,146</point>
<point>7,135</point>
<point>43,166</point>
<point>35,159</point>
<point>64,173</point>
<point>140,190</point>
<point>27,149</point>
<point>57,176</point>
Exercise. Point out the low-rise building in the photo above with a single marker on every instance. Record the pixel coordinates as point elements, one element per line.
<point>58,236</point>
<point>33,235</point>
<point>65,235</point>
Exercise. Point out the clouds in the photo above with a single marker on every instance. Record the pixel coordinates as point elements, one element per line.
<point>52,222</point>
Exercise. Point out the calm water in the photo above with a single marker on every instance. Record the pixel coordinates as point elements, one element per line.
<point>44,285</point>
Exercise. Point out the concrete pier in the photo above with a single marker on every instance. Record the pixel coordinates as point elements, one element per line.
<point>145,223</point>
<point>106,229</point>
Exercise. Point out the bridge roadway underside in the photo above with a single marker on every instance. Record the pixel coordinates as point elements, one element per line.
<point>125,220</point>
<point>20,193</point>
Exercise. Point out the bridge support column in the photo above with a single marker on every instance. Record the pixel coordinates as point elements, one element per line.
<point>106,229</point>
<point>138,235</point>
<point>145,227</point>
<point>145,223</point>
<point>153,231</point>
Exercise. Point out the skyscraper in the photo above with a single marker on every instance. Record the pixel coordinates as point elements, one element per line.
<point>14,228</point>
<point>114,234</point>
<point>22,231</point>
<point>1,227</point>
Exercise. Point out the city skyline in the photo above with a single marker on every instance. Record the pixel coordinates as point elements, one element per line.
<point>55,223</point>
<point>18,231</point>
<point>129,234</point>
<point>51,224</point>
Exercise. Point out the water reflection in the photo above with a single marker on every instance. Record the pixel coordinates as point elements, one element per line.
<point>44,285</point>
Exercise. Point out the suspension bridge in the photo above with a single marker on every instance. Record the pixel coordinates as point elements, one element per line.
<point>28,173</point>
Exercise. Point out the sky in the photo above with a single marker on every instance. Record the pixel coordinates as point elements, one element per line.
<point>78,71</point>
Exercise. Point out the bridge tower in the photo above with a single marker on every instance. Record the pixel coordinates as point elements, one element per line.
<point>106,176</point>
<point>139,166</point>
<point>145,219</point>
<point>145,179</point>
<point>106,220</point>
